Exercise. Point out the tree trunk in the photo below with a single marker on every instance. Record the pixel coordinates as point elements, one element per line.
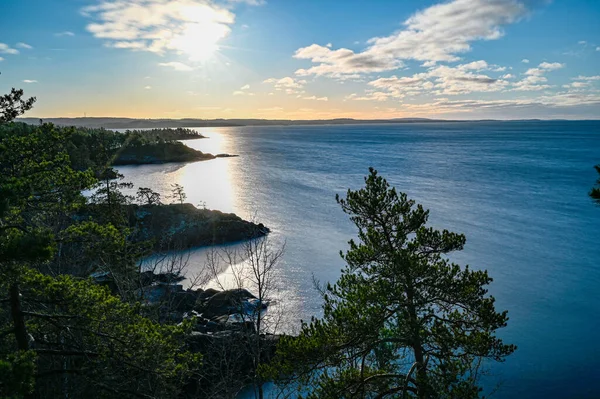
<point>18,320</point>
<point>417,344</point>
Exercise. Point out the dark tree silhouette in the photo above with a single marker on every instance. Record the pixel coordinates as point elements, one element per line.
<point>13,105</point>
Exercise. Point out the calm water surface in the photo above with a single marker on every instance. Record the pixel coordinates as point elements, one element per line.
<point>518,190</point>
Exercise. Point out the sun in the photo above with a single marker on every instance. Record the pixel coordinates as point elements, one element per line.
<point>199,40</point>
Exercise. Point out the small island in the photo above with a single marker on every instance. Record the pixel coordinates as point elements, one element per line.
<point>157,153</point>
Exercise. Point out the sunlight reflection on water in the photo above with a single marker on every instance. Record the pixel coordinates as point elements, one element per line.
<point>220,184</point>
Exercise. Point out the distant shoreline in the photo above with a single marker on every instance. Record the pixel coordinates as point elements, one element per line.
<point>135,123</point>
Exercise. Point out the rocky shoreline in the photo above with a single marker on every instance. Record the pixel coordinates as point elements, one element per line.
<point>182,226</point>
<point>222,327</point>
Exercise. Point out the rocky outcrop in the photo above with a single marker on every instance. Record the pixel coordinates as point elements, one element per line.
<point>181,226</point>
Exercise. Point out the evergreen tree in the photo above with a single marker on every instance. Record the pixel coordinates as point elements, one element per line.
<point>401,321</point>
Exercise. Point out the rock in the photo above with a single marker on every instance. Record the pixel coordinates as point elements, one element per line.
<point>208,293</point>
<point>185,300</point>
<point>226,155</point>
<point>226,302</point>
<point>158,292</point>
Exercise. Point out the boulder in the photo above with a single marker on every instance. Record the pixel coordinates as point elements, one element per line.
<point>226,302</point>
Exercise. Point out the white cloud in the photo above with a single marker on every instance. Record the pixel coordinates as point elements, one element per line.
<point>287,84</point>
<point>580,77</point>
<point>343,63</point>
<point>242,93</point>
<point>475,65</point>
<point>582,42</point>
<point>525,61</point>
<point>6,49</point>
<point>192,27</point>
<point>597,48</point>
<point>370,96</point>
<point>438,33</point>
<point>439,80</point>
<point>24,45</point>
<point>64,33</point>
<point>315,98</point>
<point>245,87</point>
<point>178,66</point>
<point>249,2</point>
<point>30,81</point>
<point>535,79</point>
<point>1,59</point>
<point>508,76</point>
<point>577,85</point>
<point>148,87</point>
<point>551,66</point>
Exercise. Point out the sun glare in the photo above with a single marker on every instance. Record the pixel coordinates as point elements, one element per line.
<point>200,41</point>
<point>201,34</point>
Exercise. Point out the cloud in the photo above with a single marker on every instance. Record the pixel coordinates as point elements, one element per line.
<point>193,27</point>
<point>24,45</point>
<point>582,42</point>
<point>315,98</point>
<point>597,48</point>
<point>551,66</point>
<point>577,85</point>
<point>64,33</point>
<point>558,100</point>
<point>148,87</point>
<point>245,87</point>
<point>439,80</point>
<point>525,61</point>
<point>178,66</point>
<point>249,2</point>
<point>242,93</point>
<point>580,77</point>
<point>343,63</point>
<point>6,49</point>
<point>1,59</point>
<point>370,96</point>
<point>535,79</point>
<point>287,84</point>
<point>435,34</point>
<point>29,81</point>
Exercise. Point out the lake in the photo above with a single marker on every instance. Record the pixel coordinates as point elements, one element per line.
<point>517,190</point>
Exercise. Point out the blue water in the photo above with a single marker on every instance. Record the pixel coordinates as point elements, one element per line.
<point>518,190</point>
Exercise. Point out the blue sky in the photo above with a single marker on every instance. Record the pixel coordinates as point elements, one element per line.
<point>457,59</point>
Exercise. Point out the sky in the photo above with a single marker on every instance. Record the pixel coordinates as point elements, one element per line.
<point>310,59</point>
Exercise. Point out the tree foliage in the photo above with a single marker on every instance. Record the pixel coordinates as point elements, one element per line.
<point>88,343</point>
<point>61,335</point>
<point>402,320</point>
<point>13,105</point>
<point>177,193</point>
<point>146,196</point>
<point>595,192</point>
